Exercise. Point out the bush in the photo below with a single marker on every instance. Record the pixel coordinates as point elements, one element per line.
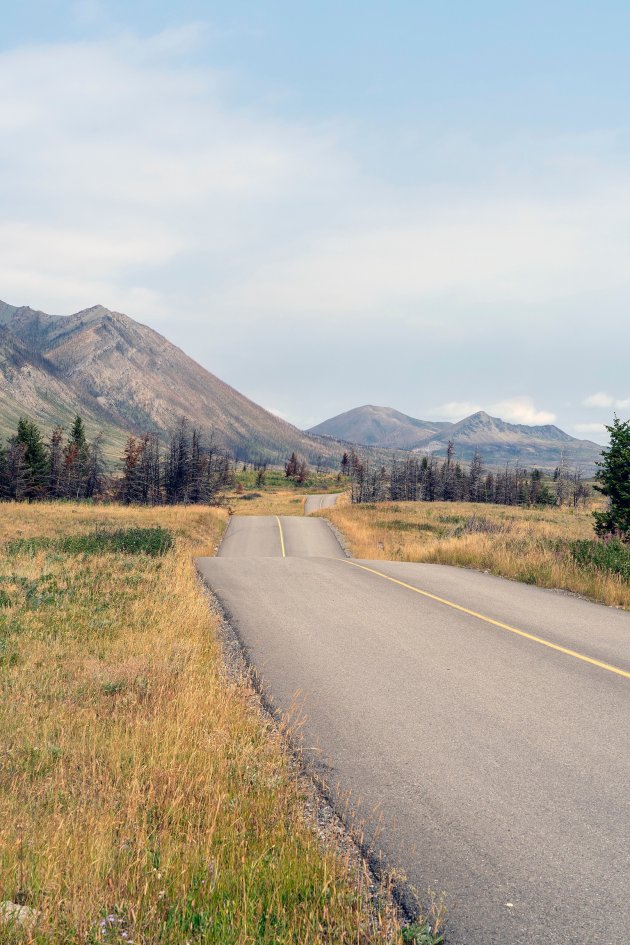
<point>612,556</point>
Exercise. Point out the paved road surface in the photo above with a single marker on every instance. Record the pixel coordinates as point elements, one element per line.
<point>266,536</point>
<point>492,765</point>
<point>316,502</point>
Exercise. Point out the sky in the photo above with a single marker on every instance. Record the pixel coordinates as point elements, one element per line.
<point>418,205</point>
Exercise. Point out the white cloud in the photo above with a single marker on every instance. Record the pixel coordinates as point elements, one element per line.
<point>602,399</point>
<point>521,410</point>
<point>119,161</point>
<point>129,177</point>
<point>598,400</point>
<point>514,410</point>
<point>503,252</point>
<point>455,410</point>
<point>116,138</point>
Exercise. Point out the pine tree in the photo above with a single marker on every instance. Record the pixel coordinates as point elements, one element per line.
<point>76,459</point>
<point>77,433</point>
<point>613,477</point>
<point>29,438</point>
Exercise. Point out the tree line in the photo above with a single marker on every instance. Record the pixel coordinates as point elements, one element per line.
<point>68,466</point>
<point>430,479</point>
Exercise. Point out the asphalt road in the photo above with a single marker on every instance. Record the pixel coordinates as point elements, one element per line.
<point>316,502</point>
<point>490,757</point>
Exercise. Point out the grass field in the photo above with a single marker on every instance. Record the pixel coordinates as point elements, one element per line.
<point>550,547</point>
<point>143,796</point>
<point>278,495</point>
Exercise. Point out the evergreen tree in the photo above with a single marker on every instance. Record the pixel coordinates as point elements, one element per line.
<point>29,438</point>
<point>76,461</point>
<point>77,434</point>
<point>613,477</point>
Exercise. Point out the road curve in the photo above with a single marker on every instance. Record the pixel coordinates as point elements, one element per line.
<point>480,725</point>
<point>314,503</point>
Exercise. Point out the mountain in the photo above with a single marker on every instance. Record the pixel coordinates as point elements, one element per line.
<point>123,377</point>
<point>379,426</point>
<point>497,441</point>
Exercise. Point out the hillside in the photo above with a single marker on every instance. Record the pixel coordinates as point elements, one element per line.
<point>124,377</point>
<point>497,441</point>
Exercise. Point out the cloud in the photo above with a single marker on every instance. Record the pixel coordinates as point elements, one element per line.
<point>602,399</point>
<point>514,410</point>
<point>114,138</point>
<point>598,400</point>
<point>122,165</point>
<point>456,410</point>
<point>522,410</point>
<point>136,174</point>
<point>494,252</point>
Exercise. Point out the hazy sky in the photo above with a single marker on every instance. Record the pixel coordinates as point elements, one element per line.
<point>419,205</point>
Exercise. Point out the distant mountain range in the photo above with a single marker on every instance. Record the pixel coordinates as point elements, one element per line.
<point>123,377</point>
<point>497,441</point>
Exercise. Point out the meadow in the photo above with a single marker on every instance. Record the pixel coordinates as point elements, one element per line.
<point>277,495</point>
<point>144,795</point>
<point>549,547</point>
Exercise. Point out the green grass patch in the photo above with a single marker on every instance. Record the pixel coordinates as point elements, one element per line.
<point>611,556</point>
<point>155,541</point>
<point>403,526</point>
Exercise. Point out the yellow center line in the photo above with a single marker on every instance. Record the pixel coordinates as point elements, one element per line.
<point>284,554</point>
<point>496,623</point>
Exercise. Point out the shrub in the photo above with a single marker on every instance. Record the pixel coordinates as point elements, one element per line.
<point>612,556</point>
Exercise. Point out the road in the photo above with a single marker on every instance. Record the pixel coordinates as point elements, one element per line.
<point>314,503</point>
<point>480,726</point>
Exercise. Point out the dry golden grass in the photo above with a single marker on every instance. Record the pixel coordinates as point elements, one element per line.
<point>527,545</point>
<point>268,502</point>
<point>271,502</point>
<point>136,782</point>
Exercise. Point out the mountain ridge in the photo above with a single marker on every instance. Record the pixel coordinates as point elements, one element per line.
<point>497,440</point>
<point>125,377</point>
